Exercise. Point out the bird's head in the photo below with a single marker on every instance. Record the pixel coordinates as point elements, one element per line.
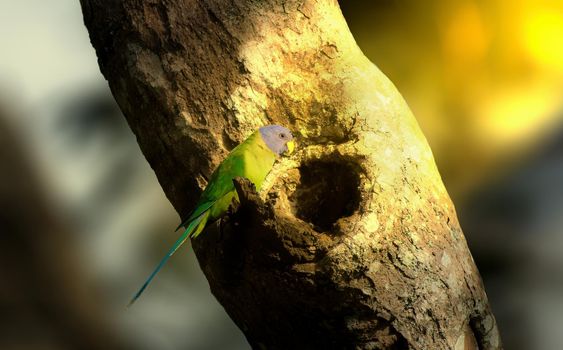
<point>278,139</point>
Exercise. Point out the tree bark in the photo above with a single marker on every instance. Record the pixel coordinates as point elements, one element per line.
<point>353,242</point>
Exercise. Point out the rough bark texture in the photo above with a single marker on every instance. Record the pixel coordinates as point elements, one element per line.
<point>353,242</point>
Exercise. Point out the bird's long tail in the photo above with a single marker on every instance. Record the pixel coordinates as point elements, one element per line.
<point>193,229</point>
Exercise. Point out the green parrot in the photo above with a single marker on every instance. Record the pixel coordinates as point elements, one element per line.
<point>253,159</point>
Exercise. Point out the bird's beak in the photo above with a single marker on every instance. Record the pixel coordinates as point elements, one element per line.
<point>290,146</point>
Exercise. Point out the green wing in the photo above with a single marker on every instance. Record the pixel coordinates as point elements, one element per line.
<point>220,184</point>
<point>200,209</point>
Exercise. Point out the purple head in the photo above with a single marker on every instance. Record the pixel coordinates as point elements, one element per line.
<point>277,138</point>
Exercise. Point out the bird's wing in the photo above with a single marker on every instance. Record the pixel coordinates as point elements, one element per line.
<point>200,209</point>
<point>220,184</point>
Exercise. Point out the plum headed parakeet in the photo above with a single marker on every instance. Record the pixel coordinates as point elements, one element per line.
<point>253,159</point>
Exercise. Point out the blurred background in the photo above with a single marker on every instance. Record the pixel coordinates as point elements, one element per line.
<point>83,219</point>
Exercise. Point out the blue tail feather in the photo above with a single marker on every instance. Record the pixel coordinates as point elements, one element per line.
<point>189,230</point>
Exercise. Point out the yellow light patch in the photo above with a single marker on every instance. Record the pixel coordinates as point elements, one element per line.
<point>543,30</point>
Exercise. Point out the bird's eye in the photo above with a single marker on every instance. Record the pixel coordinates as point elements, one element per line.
<point>282,136</point>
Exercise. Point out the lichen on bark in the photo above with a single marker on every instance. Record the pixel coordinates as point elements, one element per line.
<point>353,241</point>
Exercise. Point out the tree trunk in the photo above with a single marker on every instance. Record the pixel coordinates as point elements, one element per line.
<point>353,242</point>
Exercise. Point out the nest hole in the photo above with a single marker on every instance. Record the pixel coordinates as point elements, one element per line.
<point>328,190</point>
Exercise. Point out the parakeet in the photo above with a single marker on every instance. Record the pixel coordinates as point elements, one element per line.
<point>253,159</point>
